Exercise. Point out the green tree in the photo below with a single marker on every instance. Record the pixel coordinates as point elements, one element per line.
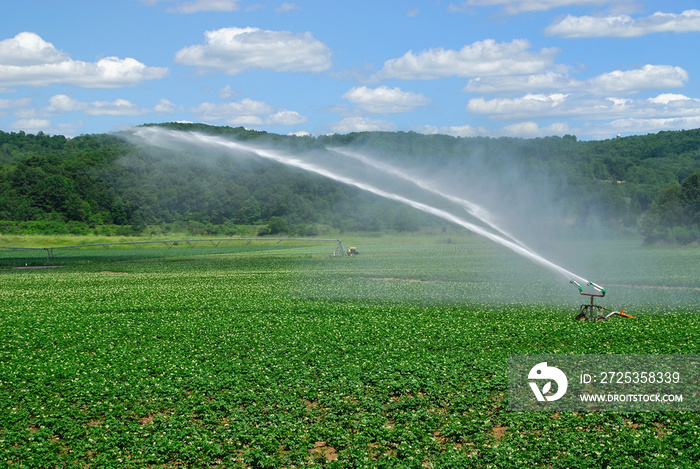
<point>665,212</point>
<point>277,225</point>
<point>690,197</point>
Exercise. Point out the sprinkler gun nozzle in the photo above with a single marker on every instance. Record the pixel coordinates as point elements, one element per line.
<point>574,282</point>
<point>597,287</point>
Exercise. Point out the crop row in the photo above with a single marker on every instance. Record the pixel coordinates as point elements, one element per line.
<point>237,360</point>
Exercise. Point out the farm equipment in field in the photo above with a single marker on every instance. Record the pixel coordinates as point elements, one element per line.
<point>591,311</point>
<point>352,251</point>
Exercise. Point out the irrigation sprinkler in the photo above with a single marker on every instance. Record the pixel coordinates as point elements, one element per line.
<point>591,311</point>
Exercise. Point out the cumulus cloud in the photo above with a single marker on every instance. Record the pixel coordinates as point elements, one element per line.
<point>362,124</point>
<point>536,82</point>
<point>649,77</point>
<point>287,7</point>
<point>235,50</point>
<point>27,59</point>
<point>245,107</point>
<point>119,107</point>
<point>638,126</point>
<point>583,106</point>
<point>61,104</point>
<point>195,6</point>
<point>207,5</point>
<point>529,129</point>
<point>455,130</point>
<point>285,117</point>
<point>32,125</point>
<point>384,100</point>
<point>27,49</point>
<point>667,98</point>
<point>482,58</point>
<point>35,125</point>
<point>165,106</point>
<point>14,103</point>
<point>521,6</point>
<point>528,104</point>
<point>247,112</point>
<point>624,25</point>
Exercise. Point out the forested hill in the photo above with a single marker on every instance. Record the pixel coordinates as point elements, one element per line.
<point>649,184</point>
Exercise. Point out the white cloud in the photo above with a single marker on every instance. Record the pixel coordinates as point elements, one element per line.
<point>478,59</point>
<point>521,129</point>
<point>287,7</point>
<point>649,77</point>
<point>529,129</point>
<point>528,104</point>
<point>32,126</point>
<point>525,129</point>
<point>164,106</point>
<point>362,124</point>
<point>247,112</point>
<point>384,100</point>
<point>667,98</point>
<point>61,104</point>
<point>27,59</point>
<point>14,103</point>
<point>118,107</point>
<point>195,6</point>
<point>583,106</point>
<point>226,92</point>
<point>413,13</point>
<point>245,107</point>
<point>638,126</point>
<point>624,25</point>
<point>29,49</point>
<point>235,50</point>
<point>207,5</point>
<point>537,82</point>
<point>285,117</point>
<point>245,120</point>
<point>463,131</point>
<point>520,6</point>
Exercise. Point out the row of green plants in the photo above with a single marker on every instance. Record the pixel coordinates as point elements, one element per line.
<point>286,357</point>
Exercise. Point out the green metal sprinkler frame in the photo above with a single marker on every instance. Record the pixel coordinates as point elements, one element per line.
<point>592,311</point>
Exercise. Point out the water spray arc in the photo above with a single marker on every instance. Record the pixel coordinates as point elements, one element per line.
<point>471,208</point>
<point>167,138</point>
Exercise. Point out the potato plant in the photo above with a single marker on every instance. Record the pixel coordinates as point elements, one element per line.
<point>291,358</point>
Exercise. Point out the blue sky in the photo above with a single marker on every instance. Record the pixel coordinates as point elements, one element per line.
<point>522,68</point>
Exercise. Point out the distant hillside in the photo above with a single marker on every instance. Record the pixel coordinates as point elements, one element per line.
<point>104,182</point>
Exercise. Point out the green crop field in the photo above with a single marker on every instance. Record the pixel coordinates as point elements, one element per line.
<point>283,356</point>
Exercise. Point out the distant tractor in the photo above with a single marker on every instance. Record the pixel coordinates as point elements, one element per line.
<point>352,251</point>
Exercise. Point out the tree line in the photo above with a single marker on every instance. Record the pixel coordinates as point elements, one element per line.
<point>647,184</point>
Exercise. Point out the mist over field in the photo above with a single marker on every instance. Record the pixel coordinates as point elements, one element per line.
<point>265,351</point>
<point>290,234</point>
